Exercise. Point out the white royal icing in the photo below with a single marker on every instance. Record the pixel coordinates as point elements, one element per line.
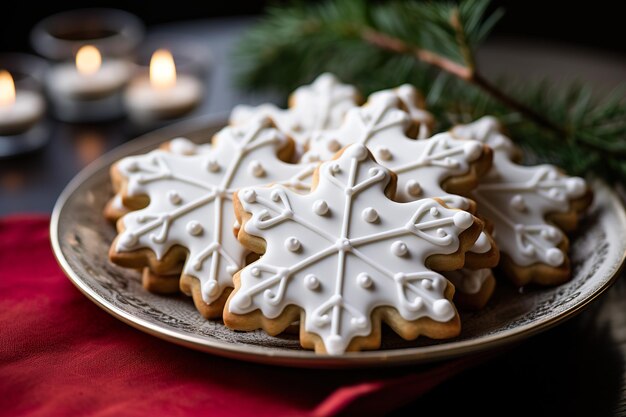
<point>468,281</point>
<point>191,203</point>
<point>421,165</point>
<point>315,107</point>
<point>411,102</point>
<point>183,146</point>
<point>346,266</point>
<point>516,198</point>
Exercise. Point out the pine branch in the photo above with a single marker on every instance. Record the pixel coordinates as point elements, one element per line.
<point>432,45</point>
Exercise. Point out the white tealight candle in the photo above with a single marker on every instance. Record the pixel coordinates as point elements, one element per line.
<point>20,110</point>
<point>90,88</point>
<point>164,94</point>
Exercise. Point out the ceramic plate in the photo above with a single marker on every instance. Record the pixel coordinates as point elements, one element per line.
<point>81,238</point>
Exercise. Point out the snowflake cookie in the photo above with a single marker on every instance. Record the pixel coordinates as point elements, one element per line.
<point>441,166</point>
<point>346,256</point>
<point>319,106</point>
<point>528,206</point>
<point>182,216</point>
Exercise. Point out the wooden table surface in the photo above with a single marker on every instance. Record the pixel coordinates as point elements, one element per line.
<point>576,369</point>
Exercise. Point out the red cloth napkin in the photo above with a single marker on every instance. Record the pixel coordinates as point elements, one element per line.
<point>62,355</point>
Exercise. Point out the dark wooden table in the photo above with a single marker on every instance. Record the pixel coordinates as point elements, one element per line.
<point>576,369</point>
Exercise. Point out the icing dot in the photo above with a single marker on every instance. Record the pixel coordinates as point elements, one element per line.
<point>292,244</point>
<point>320,207</point>
<point>417,304</point>
<point>427,284</point>
<point>413,188</point>
<point>443,308</point>
<point>194,228</point>
<point>269,296</point>
<point>129,240</point>
<point>369,214</point>
<point>333,145</point>
<point>255,168</point>
<point>399,248</point>
<point>463,220</point>
<point>434,211</point>
<point>550,234</point>
<point>275,195</point>
<point>311,282</point>
<point>384,153</point>
<point>335,168</point>
<point>343,244</point>
<point>518,203</point>
<point>358,151</point>
<point>364,280</point>
<point>212,165</point>
<point>472,150</point>
<point>182,146</point>
<point>575,186</point>
<point>374,171</point>
<point>255,272</point>
<point>554,257</point>
<point>174,197</point>
<point>249,196</point>
<point>210,288</point>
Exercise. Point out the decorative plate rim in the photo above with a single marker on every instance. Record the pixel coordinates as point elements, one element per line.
<point>301,358</point>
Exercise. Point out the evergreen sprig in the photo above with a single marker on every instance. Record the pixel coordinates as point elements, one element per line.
<point>432,46</point>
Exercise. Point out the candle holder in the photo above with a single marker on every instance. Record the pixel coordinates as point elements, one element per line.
<point>89,90</point>
<point>115,33</point>
<point>168,84</point>
<point>23,127</point>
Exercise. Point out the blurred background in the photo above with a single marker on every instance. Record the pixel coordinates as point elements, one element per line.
<point>560,43</point>
<point>597,25</point>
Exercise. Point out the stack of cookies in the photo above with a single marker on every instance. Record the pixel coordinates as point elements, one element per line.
<point>340,216</point>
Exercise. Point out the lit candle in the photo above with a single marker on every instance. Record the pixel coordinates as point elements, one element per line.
<point>20,110</point>
<point>88,89</point>
<point>163,94</point>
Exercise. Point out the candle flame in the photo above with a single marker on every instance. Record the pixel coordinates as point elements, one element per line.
<point>7,89</point>
<point>88,60</point>
<point>162,69</point>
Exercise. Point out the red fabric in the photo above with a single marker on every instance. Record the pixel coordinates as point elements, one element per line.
<point>62,355</point>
